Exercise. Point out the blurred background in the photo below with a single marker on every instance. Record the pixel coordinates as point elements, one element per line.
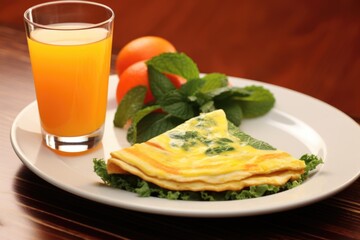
<point>312,46</point>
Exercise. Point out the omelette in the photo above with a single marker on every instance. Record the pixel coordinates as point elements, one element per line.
<point>203,154</point>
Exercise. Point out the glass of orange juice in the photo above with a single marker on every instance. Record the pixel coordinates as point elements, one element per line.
<point>70,50</point>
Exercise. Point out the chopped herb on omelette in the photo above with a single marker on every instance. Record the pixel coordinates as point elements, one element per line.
<point>205,154</point>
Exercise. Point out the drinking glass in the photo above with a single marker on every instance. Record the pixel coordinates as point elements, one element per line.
<point>70,49</point>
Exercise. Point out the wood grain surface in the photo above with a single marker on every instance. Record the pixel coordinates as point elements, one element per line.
<point>308,46</point>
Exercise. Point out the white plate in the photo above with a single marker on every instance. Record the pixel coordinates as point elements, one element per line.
<point>298,124</point>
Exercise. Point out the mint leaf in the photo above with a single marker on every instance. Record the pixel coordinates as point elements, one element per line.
<point>154,124</point>
<point>201,99</point>
<point>129,105</point>
<point>132,132</point>
<point>227,92</point>
<point>191,87</point>
<point>202,90</point>
<point>207,107</point>
<point>232,110</point>
<point>247,139</point>
<point>175,63</point>
<point>159,83</point>
<point>214,81</point>
<point>259,102</point>
<point>177,105</point>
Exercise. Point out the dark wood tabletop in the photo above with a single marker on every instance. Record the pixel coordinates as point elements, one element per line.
<point>309,46</point>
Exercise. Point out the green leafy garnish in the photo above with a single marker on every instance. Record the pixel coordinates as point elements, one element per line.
<point>138,116</point>
<point>257,103</point>
<point>175,63</point>
<point>214,81</point>
<point>311,162</point>
<point>132,102</point>
<point>151,125</point>
<point>198,95</point>
<point>159,83</point>
<point>247,139</point>
<point>135,184</point>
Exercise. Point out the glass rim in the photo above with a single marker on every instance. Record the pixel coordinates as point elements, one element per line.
<point>92,25</point>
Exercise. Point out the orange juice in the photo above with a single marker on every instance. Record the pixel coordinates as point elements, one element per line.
<point>71,71</point>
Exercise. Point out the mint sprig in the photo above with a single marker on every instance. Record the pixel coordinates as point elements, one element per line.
<point>159,84</point>
<point>257,103</point>
<point>175,63</point>
<point>176,104</point>
<point>132,102</point>
<point>199,94</point>
<point>151,125</point>
<point>132,133</point>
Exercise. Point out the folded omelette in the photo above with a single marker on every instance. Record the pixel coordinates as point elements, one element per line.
<point>203,155</point>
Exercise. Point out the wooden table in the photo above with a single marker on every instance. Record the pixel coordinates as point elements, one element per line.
<point>31,208</point>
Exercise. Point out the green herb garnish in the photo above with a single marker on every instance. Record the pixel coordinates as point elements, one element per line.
<point>131,103</point>
<point>199,94</point>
